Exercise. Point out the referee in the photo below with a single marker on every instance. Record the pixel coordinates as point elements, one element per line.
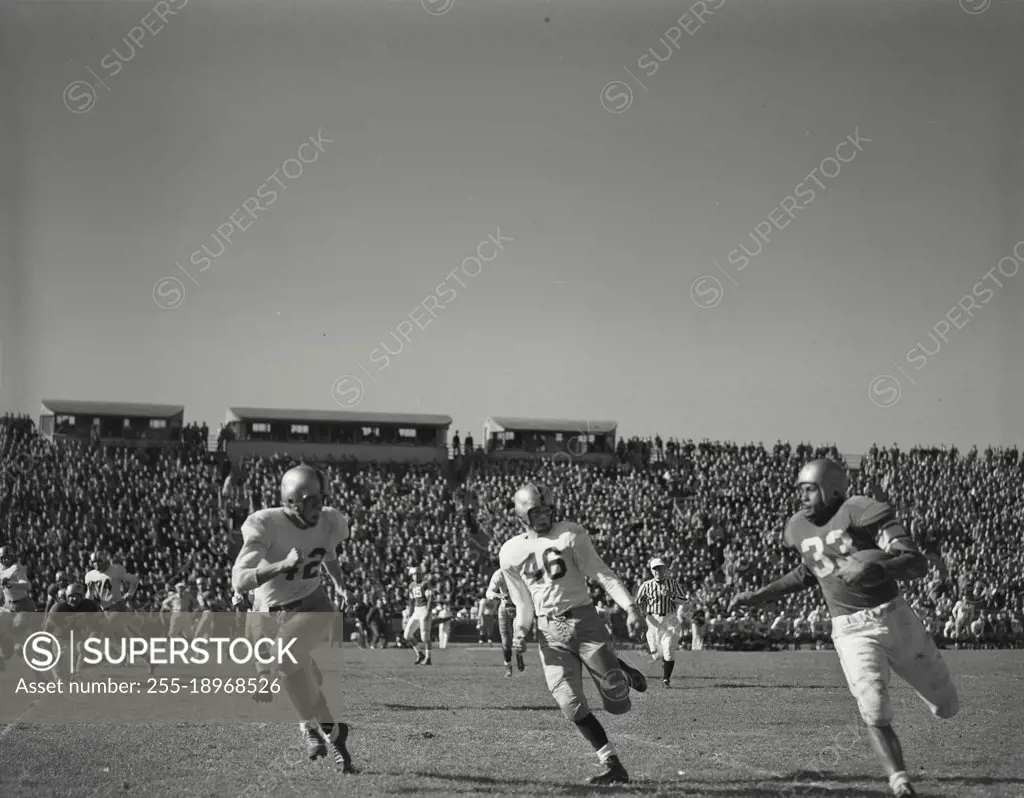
<point>656,599</point>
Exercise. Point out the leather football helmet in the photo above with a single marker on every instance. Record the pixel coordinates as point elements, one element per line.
<point>531,498</point>
<point>828,476</point>
<point>302,494</point>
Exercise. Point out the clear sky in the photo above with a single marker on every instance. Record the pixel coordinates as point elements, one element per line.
<point>441,124</point>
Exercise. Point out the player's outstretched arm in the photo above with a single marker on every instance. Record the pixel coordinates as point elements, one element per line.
<point>593,567</point>
<point>521,598</point>
<point>800,578</point>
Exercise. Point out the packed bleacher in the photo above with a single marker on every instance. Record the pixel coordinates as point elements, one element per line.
<point>714,510</point>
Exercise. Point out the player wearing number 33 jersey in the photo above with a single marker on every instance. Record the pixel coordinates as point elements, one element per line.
<point>546,570</point>
<point>856,550</point>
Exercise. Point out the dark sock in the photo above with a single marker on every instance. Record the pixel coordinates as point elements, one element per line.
<point>591,728</point>
<point>666,668</point>
<point>507,652</point>
<point>323,714</point>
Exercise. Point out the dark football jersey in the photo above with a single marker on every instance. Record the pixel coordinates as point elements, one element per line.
<point>860,524</point>
<point>63,615</point>
<point>85,605</point>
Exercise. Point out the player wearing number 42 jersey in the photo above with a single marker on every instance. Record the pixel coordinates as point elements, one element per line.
<point>873,627</point>
<point>546,570</point>
<point>283,549</point>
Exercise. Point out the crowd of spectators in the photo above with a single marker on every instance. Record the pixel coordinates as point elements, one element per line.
<point>714,510</point>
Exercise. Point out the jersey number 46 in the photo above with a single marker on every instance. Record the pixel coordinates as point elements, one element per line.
<point>548,563</point>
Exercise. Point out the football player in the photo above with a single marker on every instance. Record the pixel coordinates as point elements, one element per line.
<point>109,584</point>
<point>55,592</point>
<point>283,550</point>
<point>15,584</point>
<point>74,601</point>
<point>873,628</point>
<point>181,605</point>
<point>497,590</point>
<point>421,597</point>
<point>546,570</point>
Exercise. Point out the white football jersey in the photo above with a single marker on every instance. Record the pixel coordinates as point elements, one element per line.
<point>498,587</point>
<point>547,574</point>
<point>17,589</point>
<point>268,535</point>
<point>107,588</point>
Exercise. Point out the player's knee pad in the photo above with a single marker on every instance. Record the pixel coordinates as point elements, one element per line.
<point>573,706</point>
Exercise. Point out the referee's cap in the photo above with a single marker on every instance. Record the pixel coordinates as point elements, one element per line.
<point>656,562</point>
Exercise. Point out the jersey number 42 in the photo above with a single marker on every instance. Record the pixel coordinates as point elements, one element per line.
<point>549,563</point>
<point>311,567</point>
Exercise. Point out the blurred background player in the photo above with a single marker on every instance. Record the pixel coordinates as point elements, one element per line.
<point>84,613</point>
<point>497,590</point>
<point>55,591</point>
<point>283,552</point>
<point>421,597</point>
<point>377,624</point>
<point>180,605</point>
<point>15,586</point>
<point>444,617</point>
<point>109,584</point>
<point>657,599</point>
<point>360,610</point>
<point>698,629</point>
<point>486,619</point>
<point>874,629</point>
<point>546,570</point>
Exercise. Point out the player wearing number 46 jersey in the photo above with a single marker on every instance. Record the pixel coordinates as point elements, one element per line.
<point>873,627</point>
<point>283,550</point>
<point>546,570</point>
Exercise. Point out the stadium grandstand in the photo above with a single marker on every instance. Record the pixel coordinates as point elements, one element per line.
<point>714,509</point>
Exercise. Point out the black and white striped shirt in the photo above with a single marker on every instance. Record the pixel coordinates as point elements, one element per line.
<point>659,598</point>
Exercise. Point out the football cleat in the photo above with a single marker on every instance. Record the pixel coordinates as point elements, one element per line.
<point>508,671</point>
<point>666,683</point>
<point>614,773</point>
<point>904,790</point>
<point>520,662</point>
<point>339,735</point>
<point>635,678</point>
<point>419,658</point>
<point>315,746</point>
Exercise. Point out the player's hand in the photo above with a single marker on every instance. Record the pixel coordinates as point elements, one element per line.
<point>519,641</point>
<point>858,572</point>
<point>634,618</point>
<point>294,559</point>
<point>741,599</point>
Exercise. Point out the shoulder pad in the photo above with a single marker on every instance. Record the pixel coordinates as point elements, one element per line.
<point>865,511</point>
<point>787,538</point>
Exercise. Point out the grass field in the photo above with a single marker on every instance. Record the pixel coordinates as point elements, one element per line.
<point>740,725</point>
